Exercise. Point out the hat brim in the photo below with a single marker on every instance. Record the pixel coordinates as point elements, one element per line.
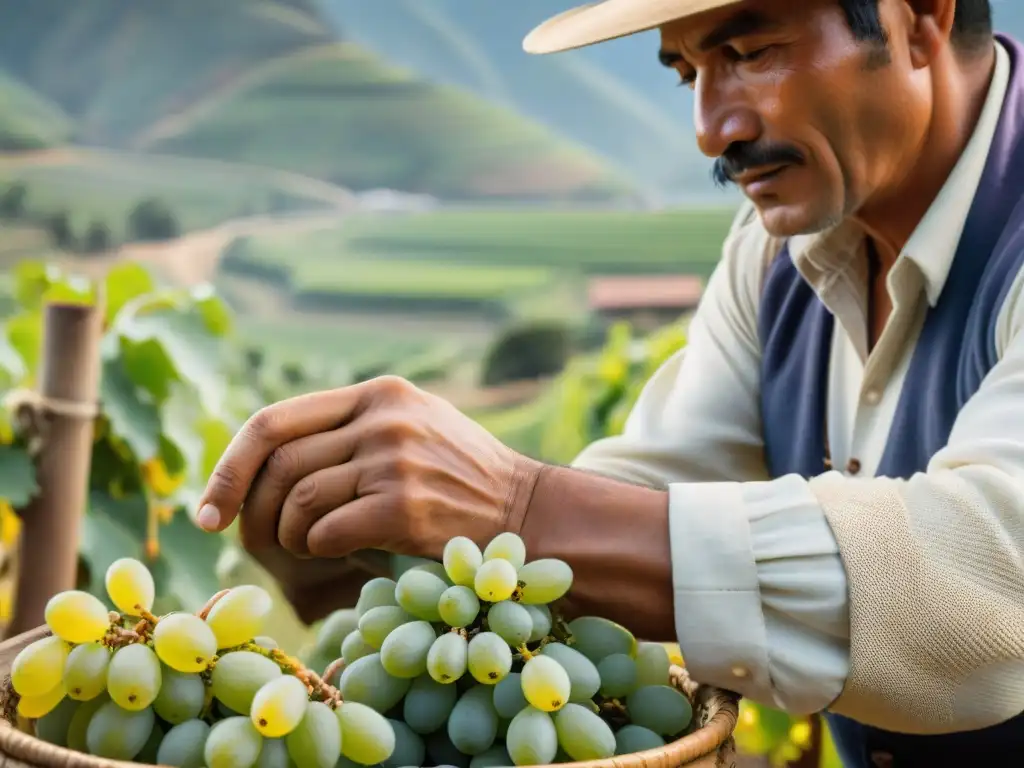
<point>609,20</point>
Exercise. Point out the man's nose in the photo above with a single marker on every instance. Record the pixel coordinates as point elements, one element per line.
<point>721,119</point>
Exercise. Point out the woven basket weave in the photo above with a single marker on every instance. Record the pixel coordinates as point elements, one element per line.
<point>709,745</point>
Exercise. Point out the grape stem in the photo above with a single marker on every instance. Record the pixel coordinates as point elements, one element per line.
<point>203,612</point>
<point>317,686</point>
<point>336,667</point>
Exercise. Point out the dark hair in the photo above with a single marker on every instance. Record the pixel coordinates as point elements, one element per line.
<point>972,24</point>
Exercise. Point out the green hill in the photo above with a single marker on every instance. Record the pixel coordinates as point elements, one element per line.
<point>27,120</point>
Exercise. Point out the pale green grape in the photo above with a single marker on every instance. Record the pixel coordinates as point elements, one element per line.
<point>428,704</point>
<point>511,621</point>
<point>652,664</point>
<point>489,658</point>
<point>630,739</point>
<point>316,741</point>
<point>506,546</point>
<point>274,754</point>
<point>583,674</point>
<point>495,581</point>
<point>545,683</point>
<point>184,642</point>
<point>377,623</point>
<point>583,734</point>
<point>77,617</point>
<point>367,682</point>
<point>443,753</point>
<point>264,641</point>
<point>366,735</point>
<point>458,606</point>
<point>238,675</point>
<point>53,726</point>
<point>130,586</point>
<point>540,615</point>
<point>418,592</point>
<point>375,593</point>
<point>80,722</point>
<point>118,734</point>
<point>278,706</point>
<point>531,738</point>
<point>133,677</point>
<point>404,653</point>
<point>147,755</point>
<point>494,757</point>
<point>183,745</point>
<point>85,672</point>
<point>355,647</point>
<point>239,616</point>
<point>473,723</point>
<point>36,706</point>
<point>409,747</point>
<point>461,558</point>
<point>660,708</point>
<point>436,568</point>
<point>232,743</point>
<point>508,696</point>
<point>596,638</point>
<point>448,657</point>
<point>334,629</point>
<point>181,696</point>
<point>544,581</point>
<point>39,666</point>
<point>618,675</point>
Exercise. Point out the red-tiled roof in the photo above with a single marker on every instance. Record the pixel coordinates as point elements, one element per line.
<point>644,291</point>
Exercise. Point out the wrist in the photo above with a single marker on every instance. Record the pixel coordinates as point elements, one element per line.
<point>524,476</point>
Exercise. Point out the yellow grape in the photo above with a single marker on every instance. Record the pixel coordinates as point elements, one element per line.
<point>39,667</point>
<point>495,581</point>
<point>506,546</point>
<point>77,617</point>
<point>184,642</point>
<point>544,581</point>
<point>36,706</point>
<point>239,616</point>
<point>130,586</point>
<point>546,684</point>
<point>279,706</point>
<point>461,558</point>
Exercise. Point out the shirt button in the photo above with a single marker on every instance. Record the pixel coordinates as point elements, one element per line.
<point>739,671</point>
<point>882,759</point>
<point>872,396</point>
<point>853,466</point>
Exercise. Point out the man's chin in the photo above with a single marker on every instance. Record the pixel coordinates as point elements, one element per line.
<point>781,219</point>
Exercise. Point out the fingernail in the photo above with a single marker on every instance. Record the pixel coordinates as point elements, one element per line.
<point>208,517</point>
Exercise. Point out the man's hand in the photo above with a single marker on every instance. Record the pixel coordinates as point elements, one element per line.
<point>377,465</point>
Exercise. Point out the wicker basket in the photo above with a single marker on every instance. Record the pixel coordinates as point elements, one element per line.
<point>709,745</point>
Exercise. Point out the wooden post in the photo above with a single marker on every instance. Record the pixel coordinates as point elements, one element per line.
<point>64,411</point>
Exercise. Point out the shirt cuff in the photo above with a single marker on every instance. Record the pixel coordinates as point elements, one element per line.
<point>760,591</point>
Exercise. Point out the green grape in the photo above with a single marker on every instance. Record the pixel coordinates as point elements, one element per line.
<point>354,647</point>
<point>503,724</point>
<point>366,735</point>
<point>130,586</point>
<point>660,708</point>
<point>85,672</point>
<point>278,706</point>
<point>458,606</point>
<point>508,696</point>
<point>239,616</point>
<point>79,726</point>
<point>367,682</point>
<point>377,623</point>
<point>34,707</point>
<point>473,723</point>
<point>53,726</point>
<point>583,734</point>
<point>77,617</point>
<point>147,755</point>
<point>316,741</point>
<point>630,739</point>
<point>545,683</point>
<point>263,641</point>
<point>428,704</point>
<point>404,653</point>
<point>506,546</point>
<point>532,738</point>
<point>434,567</point>
<point>409,747</point>
<point>618,676</point>
<point>448,657</point>
<point>443,753</point>
<point>495,581</point>
<point>335,628</point>
<point>583,675</point>
<point>118,734</point>
<point>183,746</point>
<point>181,696</point>
<point>494,757</point>
<point>232,743</point>
<point>489,658</point>
<point>184,642</point>
<point>274,754</point>
<point>238,675</point>
<point>461,558</point>
<point>133,677</point>
<point>39,666</point>
<point>540,615</point>
<point>418,592</point>
<point>652,664</point>
<point>544,581</point>
<point>596,638</point>
<point>511,621</point>
<point>375,593</point>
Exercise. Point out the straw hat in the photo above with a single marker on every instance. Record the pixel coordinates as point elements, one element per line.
<point>597,22</point>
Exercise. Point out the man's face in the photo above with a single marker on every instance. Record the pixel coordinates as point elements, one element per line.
<point>807,120</point>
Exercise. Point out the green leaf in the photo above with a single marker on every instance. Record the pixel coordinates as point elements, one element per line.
<point>126,282</point>
<point>31,280</point>
<point>134,419</point>
<point>12,365</point>
<point>213,310</point>
<point>25,332</point>
<point>17,476</point>
<point>147,364</point>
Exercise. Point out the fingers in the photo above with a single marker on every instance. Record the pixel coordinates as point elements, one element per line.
<point>314,496</point>
<point>366,523</point>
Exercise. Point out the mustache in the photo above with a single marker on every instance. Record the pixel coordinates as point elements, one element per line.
<point>742,156</point>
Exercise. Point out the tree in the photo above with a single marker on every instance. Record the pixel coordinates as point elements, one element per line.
<point>13,202</point>
<point>97,238</point>
<point>152,219</point>
<point>58,224</point>
<point>528,352</point>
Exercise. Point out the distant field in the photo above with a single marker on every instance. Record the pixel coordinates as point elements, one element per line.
<point>27,119</point>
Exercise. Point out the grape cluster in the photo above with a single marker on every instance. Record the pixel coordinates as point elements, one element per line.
<point>473,669</point>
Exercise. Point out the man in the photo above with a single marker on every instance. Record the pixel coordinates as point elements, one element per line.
<point>822,497</point>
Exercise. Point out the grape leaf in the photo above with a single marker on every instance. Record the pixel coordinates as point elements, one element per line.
<point>132,418</point>
<point>17,476</point>
<point>125,282</point>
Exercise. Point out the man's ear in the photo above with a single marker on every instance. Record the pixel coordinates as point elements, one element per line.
<point>929,28</point>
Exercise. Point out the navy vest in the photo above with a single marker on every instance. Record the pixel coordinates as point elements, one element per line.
<point>955,352</point>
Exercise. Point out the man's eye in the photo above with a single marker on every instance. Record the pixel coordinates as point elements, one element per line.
<point>749,55</point>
